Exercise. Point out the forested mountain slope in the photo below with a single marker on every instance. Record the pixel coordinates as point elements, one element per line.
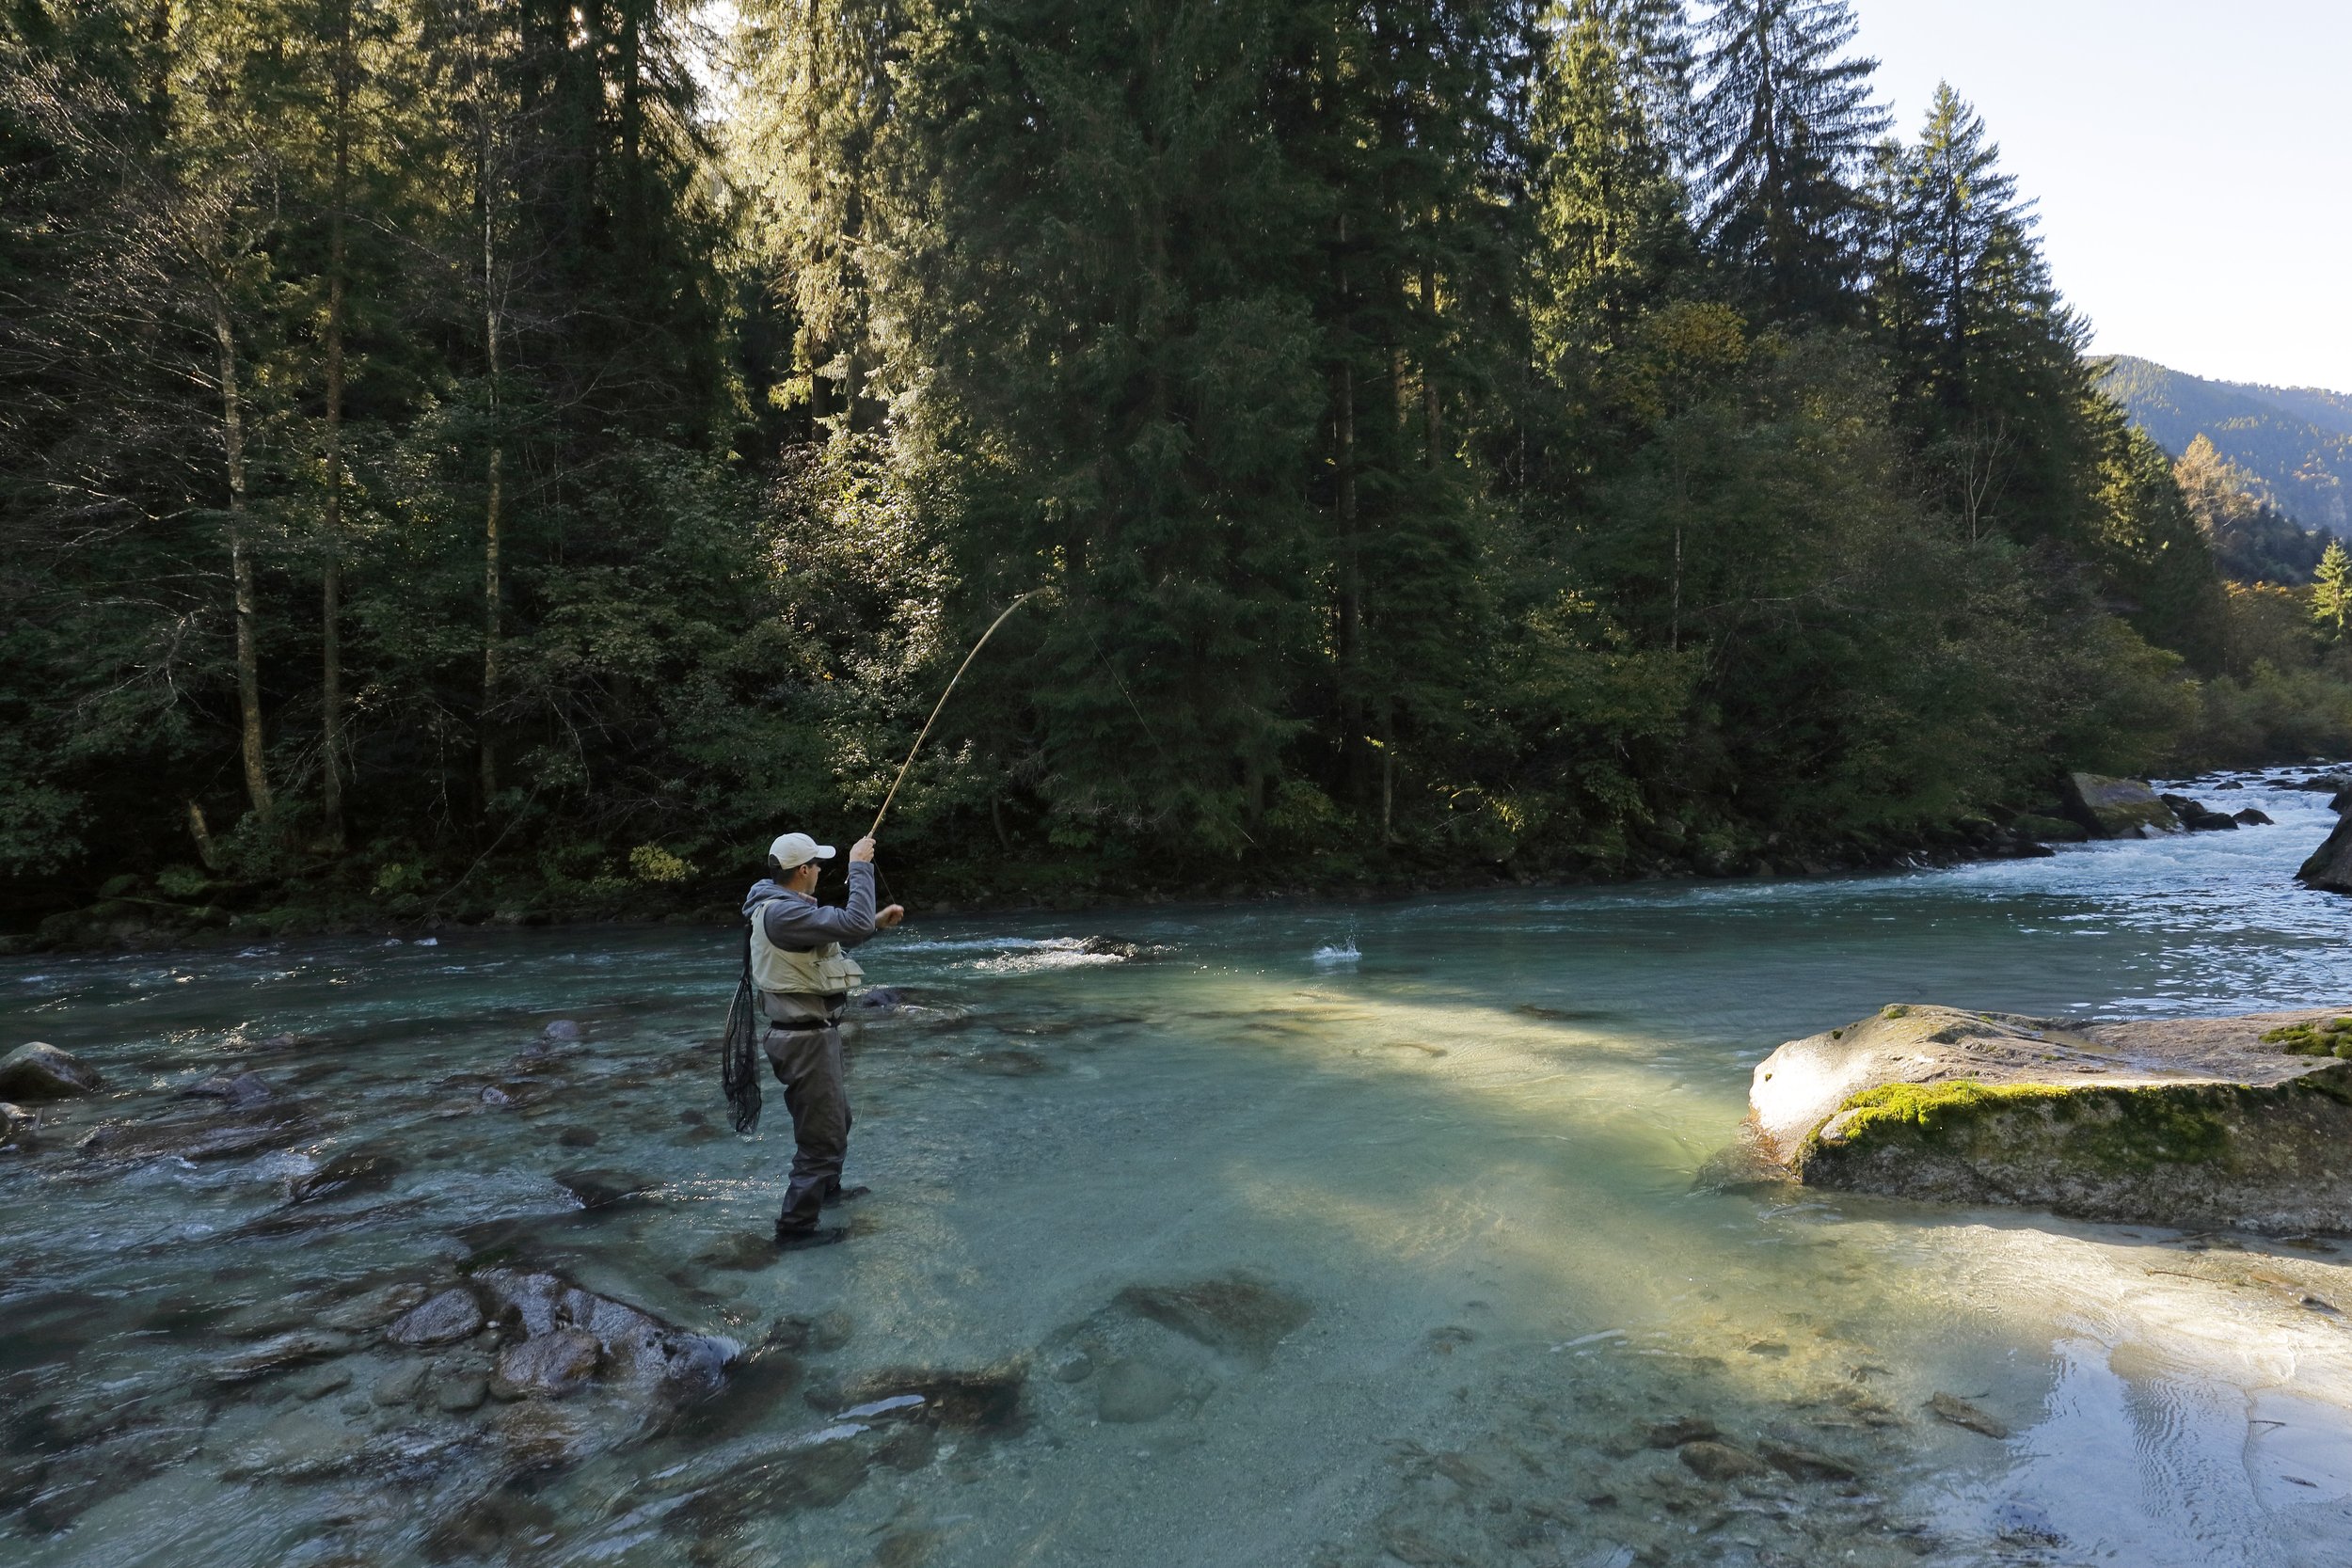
<point>454,464</point>
<point>2295,442</point>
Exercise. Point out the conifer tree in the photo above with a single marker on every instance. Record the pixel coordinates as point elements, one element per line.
<point>1786,122</point>
<point>2331,592</point>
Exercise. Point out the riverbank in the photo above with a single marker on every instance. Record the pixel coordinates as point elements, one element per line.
<point>184,909</point>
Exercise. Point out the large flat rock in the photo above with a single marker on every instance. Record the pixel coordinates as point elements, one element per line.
<point>2196,1122</point>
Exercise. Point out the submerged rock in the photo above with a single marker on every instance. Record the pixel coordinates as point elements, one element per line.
<point>449,1317</point>
<point>17,1127</point>
<point>298,1349</point>
<point>1134,1391</point>
<point>600,1189</point>
<point>41,1071</point>
<point>2329,868</point>
<point>1715,1460</point>
<point>634,1347</point>
<point>181,1139</point>
<point>355,1170</point>
<point>2116,808</point>
<point>1960,1412</point>
<point>552,1364</point>
<point>1235,1316</point>
<point>241,1091</point>
<point>2177,1122</point>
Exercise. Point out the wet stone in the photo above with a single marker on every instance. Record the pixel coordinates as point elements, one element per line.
<point>17,1127</point>
<point>448,1317</point>
<point>988,1400</point>
<point>1714,1461</point>
<point>357,1170</point>
<point>1134,1391</point>
<point>553,1363</point>
<point>401,1385</point>
<point>373,1309</point>
<point>1674,1433</point>
<point>39,1070</point>
<point>577,1137</point>
<point>191,1140</point>
<point>242,1090</point>
<point>1806,1464</point>
<point>600,1189</point>
<point>460,1392</point>
<point>1235,1316</point>
<point>1961,1413</point>
<point>319,1382</point>
<point>297,1349</point>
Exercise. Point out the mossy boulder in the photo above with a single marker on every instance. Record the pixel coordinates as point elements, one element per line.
<point>2117,808</point>
<point>2239,1122</point>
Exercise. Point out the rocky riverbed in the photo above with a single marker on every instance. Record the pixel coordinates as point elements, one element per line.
<point>1338,1236</point>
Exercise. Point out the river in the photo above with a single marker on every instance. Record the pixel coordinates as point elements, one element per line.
<point>1334,1236</point>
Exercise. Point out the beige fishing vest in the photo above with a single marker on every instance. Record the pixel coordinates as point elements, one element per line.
<point>819,972</point>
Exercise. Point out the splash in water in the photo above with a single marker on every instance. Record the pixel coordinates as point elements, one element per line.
<point>1332,957</point>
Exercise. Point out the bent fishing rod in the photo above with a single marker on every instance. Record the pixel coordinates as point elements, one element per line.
<point>913,751</point>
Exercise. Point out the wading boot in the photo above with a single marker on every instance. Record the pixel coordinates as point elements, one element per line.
<point>843,1195</point>
<point>801,1241</point>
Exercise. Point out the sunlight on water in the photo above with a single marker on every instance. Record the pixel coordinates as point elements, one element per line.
<point>1344,1236</point>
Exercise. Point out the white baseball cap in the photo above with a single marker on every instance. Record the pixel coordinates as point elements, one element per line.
<point>794,850</point>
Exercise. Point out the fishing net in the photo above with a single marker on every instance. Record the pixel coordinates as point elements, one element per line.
<point>738,1051</point>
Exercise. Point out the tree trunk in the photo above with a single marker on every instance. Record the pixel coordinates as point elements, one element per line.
<point>241,567</point>
<point>331,580</point>
<point>490,595</point>
<point>1432,429</point>
<point>1351,560</point>
<point>491,591</point>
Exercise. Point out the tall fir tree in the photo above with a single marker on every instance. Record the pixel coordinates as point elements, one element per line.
<point>1786,122</point>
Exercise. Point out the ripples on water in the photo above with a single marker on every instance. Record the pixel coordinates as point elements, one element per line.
<point>1236,1257</point>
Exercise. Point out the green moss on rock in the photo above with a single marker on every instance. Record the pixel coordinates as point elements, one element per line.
<point>2093,1128</point>
<point>2332,1038</point>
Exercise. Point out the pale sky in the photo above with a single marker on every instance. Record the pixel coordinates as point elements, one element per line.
<point>2193,160</point>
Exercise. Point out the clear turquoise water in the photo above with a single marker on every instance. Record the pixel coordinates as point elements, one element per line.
<point>1241,1255</point>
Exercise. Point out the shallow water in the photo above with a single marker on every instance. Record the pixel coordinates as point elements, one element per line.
<point>1255,1252</point>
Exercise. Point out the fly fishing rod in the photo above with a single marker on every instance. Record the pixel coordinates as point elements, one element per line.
<point>917,747</point>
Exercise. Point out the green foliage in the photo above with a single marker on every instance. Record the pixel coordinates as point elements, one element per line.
<point>1438,435</point>
<point>2331,592</point>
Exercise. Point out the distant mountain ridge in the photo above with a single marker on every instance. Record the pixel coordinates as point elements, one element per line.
<point>2296,442</point>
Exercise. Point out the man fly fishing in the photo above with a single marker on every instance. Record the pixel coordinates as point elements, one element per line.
<point>796,978</point>
<point>804,978</point>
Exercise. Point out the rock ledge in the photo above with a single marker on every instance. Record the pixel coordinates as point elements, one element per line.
<point>2200,1123</point>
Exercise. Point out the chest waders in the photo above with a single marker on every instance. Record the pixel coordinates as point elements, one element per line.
<point>823,972</point>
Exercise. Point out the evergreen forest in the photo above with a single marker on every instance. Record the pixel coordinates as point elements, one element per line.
<point>505,460</point>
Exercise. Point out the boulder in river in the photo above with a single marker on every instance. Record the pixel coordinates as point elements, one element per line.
<point>2196,816</point>
<point>633,1347</point>
<point>41,1071</point>
<point>17,1126</point>
<point>2217,1122</point>
<point>2251,818</point>
<point>2330,868</point>
<point>2116,808</point>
